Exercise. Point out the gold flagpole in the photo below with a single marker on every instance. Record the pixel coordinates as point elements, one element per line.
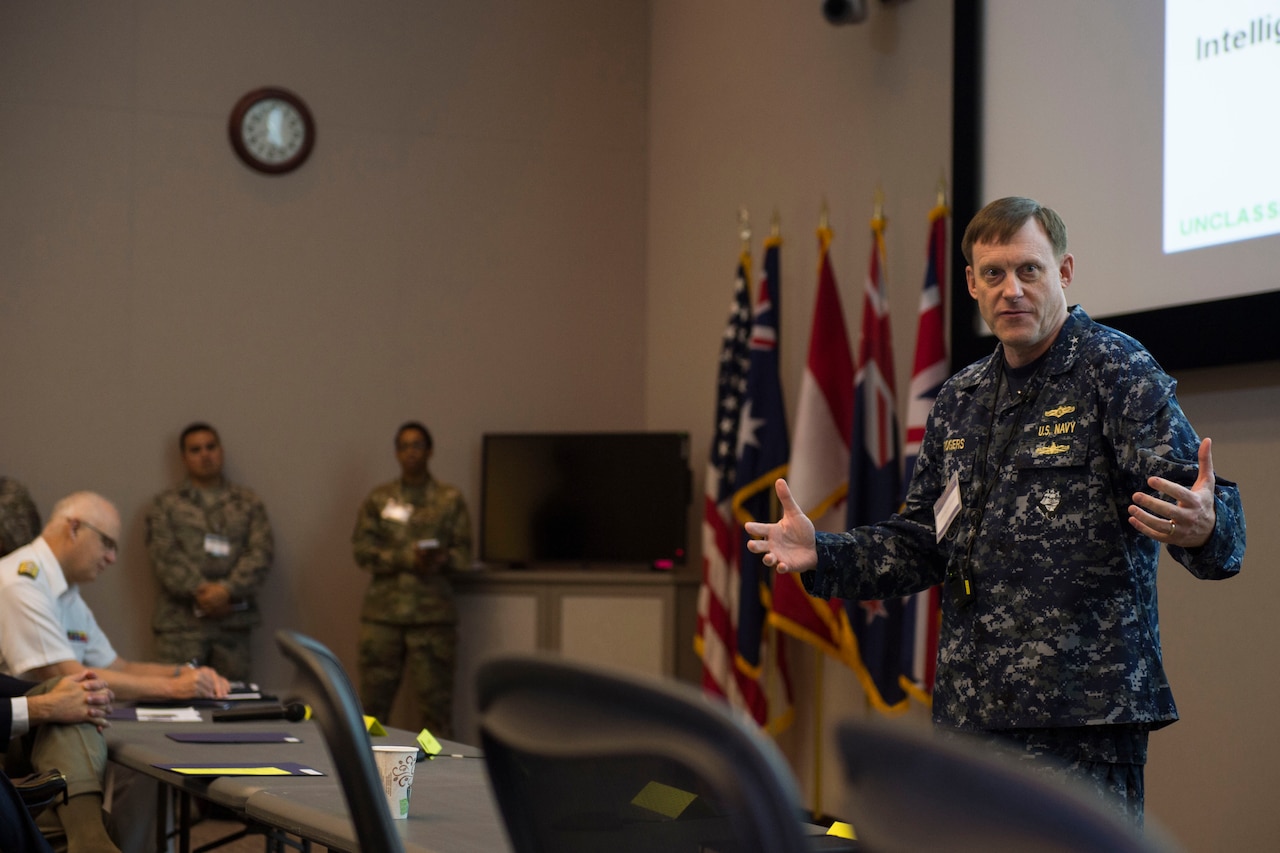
<point>819,663</point>
<point>818,693</point>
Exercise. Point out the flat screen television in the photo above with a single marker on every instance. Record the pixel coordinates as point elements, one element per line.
<point>585,498</point>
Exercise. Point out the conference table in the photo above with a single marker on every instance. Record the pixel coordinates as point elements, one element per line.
<point>451,808</point>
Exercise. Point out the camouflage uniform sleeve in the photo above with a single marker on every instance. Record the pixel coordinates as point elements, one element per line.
<point>1153,437</point>
<point>881,561</point>
<point>892,558</point>
<point>374,552</point>
<point>251,567</point>
<point>177,573</point>
<point>19,518</point>
<point>1223,555</point>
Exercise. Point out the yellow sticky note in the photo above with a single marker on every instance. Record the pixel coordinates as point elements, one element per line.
<point>374,727</point>
<point>428,742</point>
<point>841,830</point>
<point>663,799</point>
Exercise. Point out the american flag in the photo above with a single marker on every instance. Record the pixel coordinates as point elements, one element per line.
<point>716,639</point>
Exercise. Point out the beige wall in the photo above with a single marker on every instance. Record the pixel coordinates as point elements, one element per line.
<point>517,216</point>
<point>465,247</point>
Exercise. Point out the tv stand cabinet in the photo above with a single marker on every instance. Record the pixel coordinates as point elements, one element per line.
<point>634,619</point>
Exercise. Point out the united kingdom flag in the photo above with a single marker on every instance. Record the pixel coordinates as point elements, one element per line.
<point>920,619</point>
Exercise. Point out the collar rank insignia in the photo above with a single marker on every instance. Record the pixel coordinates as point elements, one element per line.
<point>29,568</point>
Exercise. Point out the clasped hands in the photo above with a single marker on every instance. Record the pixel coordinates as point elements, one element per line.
<point>213,599</point>
<point>83,698</point>
<point>428,560</point>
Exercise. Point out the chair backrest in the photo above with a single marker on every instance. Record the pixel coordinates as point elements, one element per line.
<point>913,791</point>
<point>324,685</point>
<point>584,759</point>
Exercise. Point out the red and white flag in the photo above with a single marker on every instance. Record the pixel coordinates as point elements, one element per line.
<point>819,465</point>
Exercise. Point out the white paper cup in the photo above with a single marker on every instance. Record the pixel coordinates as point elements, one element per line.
<point>395,765</point>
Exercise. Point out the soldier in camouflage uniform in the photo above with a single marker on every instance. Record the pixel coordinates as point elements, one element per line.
<point>1068,463</point>
<point>211,546</point>
<point>410,534</point>
<point>19,518</point>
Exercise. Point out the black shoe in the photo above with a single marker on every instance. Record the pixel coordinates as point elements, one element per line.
<point>39,791</point>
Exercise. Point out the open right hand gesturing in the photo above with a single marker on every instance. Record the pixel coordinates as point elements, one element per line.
<point>788,544</point>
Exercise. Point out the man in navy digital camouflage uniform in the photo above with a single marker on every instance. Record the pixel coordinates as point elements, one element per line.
<point>1062,462</point>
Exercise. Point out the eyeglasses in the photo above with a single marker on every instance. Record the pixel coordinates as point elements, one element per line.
<point>107,542</point>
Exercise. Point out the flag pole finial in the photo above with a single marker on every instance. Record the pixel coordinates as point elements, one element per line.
<point>744,227</point>
<point>775,224</point>
<point>824,220</point>
<point>942,190</point>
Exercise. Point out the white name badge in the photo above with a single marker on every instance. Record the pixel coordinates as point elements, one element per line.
<point>947,507</point>
<point>396,511</point>
<point>216,546</point>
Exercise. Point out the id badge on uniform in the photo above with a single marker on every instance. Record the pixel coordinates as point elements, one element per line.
<point>396,511</point>
<point>217,546</point>
<point>947,507</point>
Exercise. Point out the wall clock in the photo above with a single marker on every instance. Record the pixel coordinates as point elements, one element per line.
<point>271,130</point>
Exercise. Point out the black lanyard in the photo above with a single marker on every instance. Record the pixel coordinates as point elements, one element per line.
<point>960,583</point>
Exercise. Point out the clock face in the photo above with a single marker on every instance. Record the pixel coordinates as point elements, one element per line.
<point>272,131</point>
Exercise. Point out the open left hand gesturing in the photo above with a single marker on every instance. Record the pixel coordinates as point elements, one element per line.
<point>1183,517</point>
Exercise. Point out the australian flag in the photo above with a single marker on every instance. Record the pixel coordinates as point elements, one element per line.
<point>763,450</point>
<point>875,482</point>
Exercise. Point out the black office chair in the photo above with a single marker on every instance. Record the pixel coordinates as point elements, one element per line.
<point>335,708</point>
<point>911,791</point>
<point>583,759</point>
